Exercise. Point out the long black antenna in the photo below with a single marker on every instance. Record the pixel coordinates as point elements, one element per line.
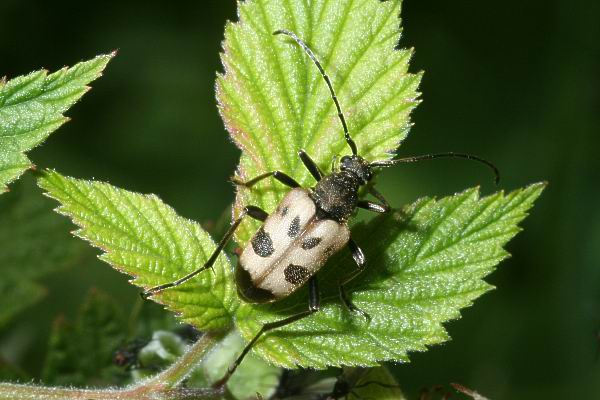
<point>388,163</point>
<point>327,80</point>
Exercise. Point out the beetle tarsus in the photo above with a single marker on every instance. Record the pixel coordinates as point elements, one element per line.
<point>350,306</point>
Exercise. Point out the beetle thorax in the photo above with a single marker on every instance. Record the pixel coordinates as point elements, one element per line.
<point>336,195</point>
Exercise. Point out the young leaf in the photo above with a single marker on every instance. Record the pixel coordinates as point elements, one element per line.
<point>161,351</point>
<point>81,353</point>
<point>145,238</point>
<point>32,107</point>
<point>274,101</point>
<point>425,263</point>
<point>26,224</point>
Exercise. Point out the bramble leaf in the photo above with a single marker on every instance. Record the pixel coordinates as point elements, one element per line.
<point>274,102</point>
<point>32,107</point>
<point>145,238</point>
<point>425,263</point>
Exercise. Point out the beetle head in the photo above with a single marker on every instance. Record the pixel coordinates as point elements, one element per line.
<point>357,166</point>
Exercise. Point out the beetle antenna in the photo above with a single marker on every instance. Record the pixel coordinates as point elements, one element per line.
<point>327,80</point>
<point>388,163</point>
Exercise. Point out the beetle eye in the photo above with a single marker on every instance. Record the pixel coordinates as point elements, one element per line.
<point>345,162</point>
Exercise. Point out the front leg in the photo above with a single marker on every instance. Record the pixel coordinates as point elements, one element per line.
<point>310,165</point>
<point>360,260</point>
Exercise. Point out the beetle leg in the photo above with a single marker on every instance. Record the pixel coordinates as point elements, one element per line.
<point>310,165</point>
<point>280,176</point>
<point>314,304</point>
<point>251,211</point>
<point>371,206</point>
<point>380,197</point>
<point>359,259</point>
<point>384,207</point>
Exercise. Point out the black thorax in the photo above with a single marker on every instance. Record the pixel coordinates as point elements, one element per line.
<point>336,195</point>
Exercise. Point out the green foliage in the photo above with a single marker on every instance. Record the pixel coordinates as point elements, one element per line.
<point>36,243</point>
<point>81,353</point>
<point>145,238</point>
<point>274,101</point>
<point>32,107</point>
<point>425,263</point>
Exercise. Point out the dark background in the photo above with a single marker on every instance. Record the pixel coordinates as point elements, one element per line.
<point>515,82</point>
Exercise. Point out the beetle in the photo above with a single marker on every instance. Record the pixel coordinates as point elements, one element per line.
<point>307,228</point>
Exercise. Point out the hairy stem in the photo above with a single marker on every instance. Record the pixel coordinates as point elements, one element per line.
<point>163,386</point>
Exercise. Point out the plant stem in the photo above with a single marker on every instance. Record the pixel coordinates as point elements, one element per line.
<point>163,386</point>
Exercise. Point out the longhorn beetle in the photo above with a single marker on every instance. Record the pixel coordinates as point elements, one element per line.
<point>308,227</point>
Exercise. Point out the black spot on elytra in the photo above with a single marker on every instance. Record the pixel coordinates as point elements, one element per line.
<point>284,211</point>
<point>294,227</point>
<point>262,243</point>
<point>310,243</point>
<point>295,274</point>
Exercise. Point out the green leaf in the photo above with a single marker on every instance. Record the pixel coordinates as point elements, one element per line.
<point>81,353</point>
<point>425,263</point>
<point>36,243</point>
<point>32,107</point>
<point>145,238</point>
<point>274,101</point>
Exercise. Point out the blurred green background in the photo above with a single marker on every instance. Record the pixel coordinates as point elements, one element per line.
<point>515,82</point>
